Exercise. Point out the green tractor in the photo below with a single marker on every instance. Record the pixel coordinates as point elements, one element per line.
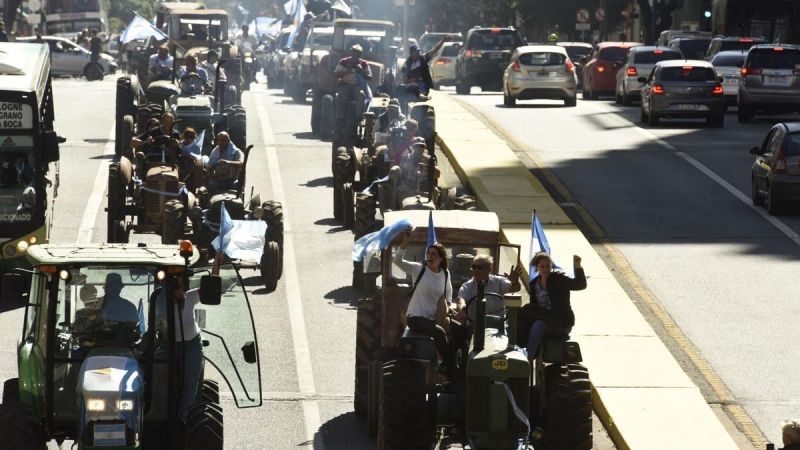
<point>500,400</point>
<point>95,367</point>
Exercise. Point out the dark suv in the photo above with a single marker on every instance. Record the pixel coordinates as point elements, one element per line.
<point>484,57</point>
<point>770,81</point>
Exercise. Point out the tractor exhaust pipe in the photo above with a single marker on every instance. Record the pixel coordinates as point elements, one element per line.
<point>480,318</point>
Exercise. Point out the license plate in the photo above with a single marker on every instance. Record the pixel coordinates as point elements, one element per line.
<point>731,81</point>
<point>542,74</point>
<point>776,81</point>
<point>495,55</point>
<point>689,106</point>
<point>109,435</point>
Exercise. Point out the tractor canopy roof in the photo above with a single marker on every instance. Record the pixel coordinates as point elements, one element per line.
<point>448,220</point>
<point>108,254</point>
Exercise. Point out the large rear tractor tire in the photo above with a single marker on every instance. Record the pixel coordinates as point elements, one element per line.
<point>270,261</point>
<point>210,392</point>
<point>326,117</point>
<point>273,215</point>
<point>569,407</point>
<point>337,202</point>
<point>204,427</point>
<point>403,422</point>
<point>124,106</point>
<point>116,203</point>
<point>316,105</point>
<point>19,431</point>
<point>345,167</point>
<point>174,222</point>
<point>368,348</point>
<point>125,135</point>
<point>11,390</point>
<point>366,208</point>
<point>348,207</point>
<point>464,203</point>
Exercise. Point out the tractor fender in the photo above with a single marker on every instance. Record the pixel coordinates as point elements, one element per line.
<point>125,171</point>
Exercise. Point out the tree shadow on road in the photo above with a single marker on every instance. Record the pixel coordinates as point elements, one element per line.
<point>344,295</point>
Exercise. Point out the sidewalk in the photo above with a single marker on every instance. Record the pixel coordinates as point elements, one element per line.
<point>641,394</point>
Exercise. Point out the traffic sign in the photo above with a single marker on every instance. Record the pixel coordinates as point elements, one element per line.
<point>600,14</point>
<point>582,15</point>
<point>583,26</point>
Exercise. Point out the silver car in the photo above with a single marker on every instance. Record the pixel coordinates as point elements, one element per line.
<point>540,72</point>
<point>770,81</point>
<point>69,58</point>
<point>728,65</point>
<point>640,62</point>
<point>443,65</point>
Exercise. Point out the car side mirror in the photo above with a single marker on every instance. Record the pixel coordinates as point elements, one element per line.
<point>753,151</point>
<point>51,151</point>
<point>721,79</point>
<point>617,64</point>
<point>211,290</point>
<point>642,79</point>
<point>249,352</point>
<point>13,288</point>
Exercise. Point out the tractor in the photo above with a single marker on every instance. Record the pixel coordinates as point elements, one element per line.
<point>500,399</point>
<point>97,367</point>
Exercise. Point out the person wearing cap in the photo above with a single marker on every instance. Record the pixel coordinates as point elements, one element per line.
<point>416,69</point>
<point>390,119</point>
<point>210,66</point>
<point>414,170</point>
<point>3,35</point>
<point>160,64</point>
<point>189,73</point>
<point>246,38</point>
<point>348,71</point>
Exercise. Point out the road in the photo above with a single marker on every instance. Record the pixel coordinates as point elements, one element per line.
<point>306,329</point>
<point>675,202</point>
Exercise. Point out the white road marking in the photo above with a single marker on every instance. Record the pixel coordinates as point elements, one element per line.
<point>96,198</point>
<point>305,375</point>
<point>782,227</point>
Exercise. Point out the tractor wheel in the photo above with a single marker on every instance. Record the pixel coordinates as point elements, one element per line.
<point>174,222</point>
<point>366,207</point>
<point>121,233</point>
<point>273,215</point>
<point>447,199</point>
<point>402,421</point>
<point>326,117</point>
<point>358,275</point>
<point>19,431</point>
<point>11,390</point>
<point>368,347</point>
<point>269,266</point>
<point>204,428</point>
<point>210,392</point>
<point>465,203</point>
<point>116,202</point>
<point>124,106</point>
<point>345,170</point>
<point>297,92</point>
<point>337,202</point>
<point>316,104</point>
<point>237,127</point>
<point>348,208</point>
<point>569,407</point>
<point>126,134</point>
<point>231,96</point>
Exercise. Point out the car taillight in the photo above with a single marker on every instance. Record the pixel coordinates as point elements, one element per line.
<point>570,66</point>
<point>515,66</point>
<point>601,68</point>
<point>632,72</point>
<point>750,71</point>
<point>658,52</point>
<point>473,53</point>
<point>658,89</point>
<point>780,163</point>
<point>778,49</point>
<point>717,90</point>
<point>443,61</point>
<point>745,40</point>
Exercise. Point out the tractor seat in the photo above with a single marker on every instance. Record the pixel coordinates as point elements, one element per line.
<point>416,345</point>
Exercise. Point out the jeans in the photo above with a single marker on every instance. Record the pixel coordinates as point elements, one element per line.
<point>189,353</point>
<point>346,92</point>
<point>540,330</point>
<point>423,88</point>
<point>445,349</point>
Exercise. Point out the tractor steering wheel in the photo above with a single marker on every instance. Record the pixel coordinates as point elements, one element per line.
<point>472,300</point>
<point>222,171</point>
<point>192,84</point>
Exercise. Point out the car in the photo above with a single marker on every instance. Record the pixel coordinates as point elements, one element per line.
<point>69,58</point>
<point>775,175</point>
<point>484,57</point>
<point>640,60</point>
<point>317,45</point>
<point>274,67</point>
<point>443,65</point>
<point>429,40</point>
<point>721,44</point>
<point>691,47</point>
<point>728,65</point>
<point>575,50</point>
<point>668,36</point>
<point>540,72</point>
<point>685,89</point>
<point>770,81</point>
<point>600,68</point>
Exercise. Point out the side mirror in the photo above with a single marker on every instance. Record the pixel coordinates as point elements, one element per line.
<point>721,79</point>
<point>13,288</point>
<point>753,151</point>
<point>211,290</point>
<point>617,64</point>
<point>51,141</point>
<point>249,352</point>
<point>642,79</point>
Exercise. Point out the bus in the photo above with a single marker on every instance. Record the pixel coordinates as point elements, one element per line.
<point>68,17</point>
<point>28,145</point>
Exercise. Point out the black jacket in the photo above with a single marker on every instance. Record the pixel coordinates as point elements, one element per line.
<point>560,313</point>
<point>793,446</point>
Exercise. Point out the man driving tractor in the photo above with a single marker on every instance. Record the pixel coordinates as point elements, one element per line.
<point>353,74</point>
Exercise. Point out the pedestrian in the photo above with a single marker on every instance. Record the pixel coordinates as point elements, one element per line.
<point>416,70</point>
<point>350,87</point>
<point>432,286</point>
<point>3,35</point>
<point>549,313</point>
<point>791,435</point>
<point>482,265</point>
<point>95,45</point>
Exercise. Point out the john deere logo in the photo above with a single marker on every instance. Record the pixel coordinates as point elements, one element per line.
<point>499,364</point>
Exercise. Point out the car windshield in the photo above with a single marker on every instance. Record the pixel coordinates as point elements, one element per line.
<point>614,53</point>
<point>654,56</point>
<point>693,48</point>
<point>369,40</point>
<point>450,50</point>
<point>429,41</point>
<point>542,59</point>
<point>687,74</point>
<point>499,40</point>
<point>575,52</point>
<point>791,145</point>
<point>17,194</point>
<point>771,59</point>
<point>323,39</point>
<point>728,59</point>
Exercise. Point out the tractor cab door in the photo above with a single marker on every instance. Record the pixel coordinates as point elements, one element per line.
<point>230,332</point>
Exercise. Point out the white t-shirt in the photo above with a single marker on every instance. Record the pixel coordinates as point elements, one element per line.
<point>430,288</point>
<point>185,316</point>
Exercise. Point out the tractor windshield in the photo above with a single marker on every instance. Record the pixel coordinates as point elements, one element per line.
<point>17,180</point>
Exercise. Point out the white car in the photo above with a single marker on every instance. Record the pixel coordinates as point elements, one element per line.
<point>540,72</point>
<point>443,65</point>
<point>639,63</point>
<point>69,58</point>
<point>728,65</point>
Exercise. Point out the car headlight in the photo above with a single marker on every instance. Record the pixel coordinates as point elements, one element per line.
<point>124,405</point>
<point>22,246</point>
<point>95,404</point>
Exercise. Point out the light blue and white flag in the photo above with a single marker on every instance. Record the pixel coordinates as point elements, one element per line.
<point>265,26</point>
<point>340,5</point>
<point>139,28</point>
<point>431,232</point>
<point>378,240</point>
<point>240,239</point>
<point>196,148</point>
<point>299,13</point>
<point>538,244</point>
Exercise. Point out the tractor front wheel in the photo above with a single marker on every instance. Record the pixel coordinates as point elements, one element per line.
<point>269,266</point>
<point>366,208</point>
<point>204,427</point>
<point>273,215</point>
<point>402,420</point>
<point>11,390</point>
<point>569,407</point>
<point>348,207</point>
<point>326,117</point>
<point>19,431</point>
<point>174,222</point>
<point>116,203</point>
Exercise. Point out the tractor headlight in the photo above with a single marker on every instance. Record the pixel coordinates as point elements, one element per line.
<point>22,246</point>
<point>125,405</point>
<point>95,404</point>
<point>11,250</point>
<point>258,212</point>
<point>537,435</point>
<point>570,353</point>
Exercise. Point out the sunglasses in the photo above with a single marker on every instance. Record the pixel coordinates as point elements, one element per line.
<point>478,267</point>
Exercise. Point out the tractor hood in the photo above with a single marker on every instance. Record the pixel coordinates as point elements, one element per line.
<point>496,360</point>
<point>193,105</point>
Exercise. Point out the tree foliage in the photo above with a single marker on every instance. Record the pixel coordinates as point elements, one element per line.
<point>123,11</point>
